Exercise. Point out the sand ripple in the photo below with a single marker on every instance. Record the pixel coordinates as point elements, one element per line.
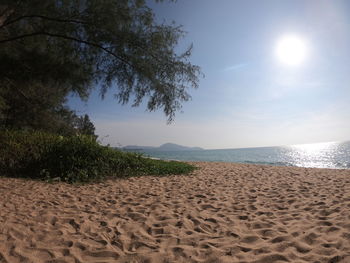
<point>220,213</point>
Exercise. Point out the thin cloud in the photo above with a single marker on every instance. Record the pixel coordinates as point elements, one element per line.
<point>236,67</point>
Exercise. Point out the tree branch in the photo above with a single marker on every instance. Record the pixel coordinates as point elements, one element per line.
<point>106,49</point>
<point>4,16</point>
<point>15,87</point>
<point>43,33</point>
<point>43,17</point>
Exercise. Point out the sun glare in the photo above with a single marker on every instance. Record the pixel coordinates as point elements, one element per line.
<point>291,50</point>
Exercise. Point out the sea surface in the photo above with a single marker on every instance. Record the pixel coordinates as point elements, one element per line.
<point>317,155</point>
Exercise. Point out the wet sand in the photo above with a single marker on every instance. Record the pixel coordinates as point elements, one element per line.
<point>221,213</point>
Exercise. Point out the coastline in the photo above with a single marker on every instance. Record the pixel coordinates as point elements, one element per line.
<point>222,212</point>
<point>335,155</point>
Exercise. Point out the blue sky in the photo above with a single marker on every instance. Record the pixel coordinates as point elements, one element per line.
<point>248,97</point>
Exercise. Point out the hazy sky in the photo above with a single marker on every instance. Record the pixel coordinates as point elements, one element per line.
<point>249,96</point>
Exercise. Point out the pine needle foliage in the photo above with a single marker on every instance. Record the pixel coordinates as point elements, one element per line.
<point>74,45</point>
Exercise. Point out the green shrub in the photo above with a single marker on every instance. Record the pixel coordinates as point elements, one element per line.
<point>21,152</point>
<point>73,159</point>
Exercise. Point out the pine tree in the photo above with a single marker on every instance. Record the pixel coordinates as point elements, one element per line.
<point>56,47</point>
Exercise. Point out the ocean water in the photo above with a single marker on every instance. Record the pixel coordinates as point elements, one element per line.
<point>318,155</point>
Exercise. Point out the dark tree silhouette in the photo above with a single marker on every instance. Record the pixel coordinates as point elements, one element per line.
<point>56,47</point>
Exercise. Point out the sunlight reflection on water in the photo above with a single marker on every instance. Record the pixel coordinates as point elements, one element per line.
<point>322,155</point>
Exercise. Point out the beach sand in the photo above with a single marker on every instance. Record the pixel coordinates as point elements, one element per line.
<point>221,213</point>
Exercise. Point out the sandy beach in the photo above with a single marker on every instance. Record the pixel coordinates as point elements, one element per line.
<point>221,213</point>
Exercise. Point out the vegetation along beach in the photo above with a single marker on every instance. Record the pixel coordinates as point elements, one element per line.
<point>161,131</point>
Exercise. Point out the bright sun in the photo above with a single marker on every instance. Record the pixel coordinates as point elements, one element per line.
<point>291,50</point>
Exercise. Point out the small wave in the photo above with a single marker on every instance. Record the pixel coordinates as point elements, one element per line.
<point>270,163</point>
<point>344,165</point>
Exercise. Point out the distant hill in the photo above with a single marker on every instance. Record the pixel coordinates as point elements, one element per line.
<point>177,147</point>
<point>137,147</point>
<point>163,147</point>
